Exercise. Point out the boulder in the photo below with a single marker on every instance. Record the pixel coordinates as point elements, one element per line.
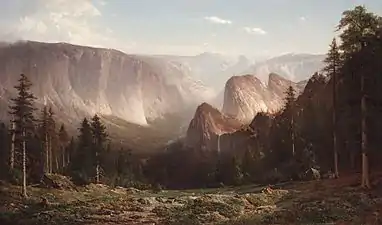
<point>57,181</point>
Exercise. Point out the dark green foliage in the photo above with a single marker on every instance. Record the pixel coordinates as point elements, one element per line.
<point>82,160</point>
<point>4,152</point>
<point>22,107</point>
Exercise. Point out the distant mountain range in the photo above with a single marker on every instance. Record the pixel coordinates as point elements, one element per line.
<point>215,69</point>
<point>132,91</point>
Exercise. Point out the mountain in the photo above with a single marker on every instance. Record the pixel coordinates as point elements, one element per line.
<point>207,124</point>
<point>80,81</point>
<point>246,95</point>
<point>294,67</point>
<point>211,68</point>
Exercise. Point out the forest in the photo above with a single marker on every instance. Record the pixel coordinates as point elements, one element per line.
<point>332,128</point>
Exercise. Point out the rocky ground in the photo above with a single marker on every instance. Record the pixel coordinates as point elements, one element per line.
<point>317,202</point>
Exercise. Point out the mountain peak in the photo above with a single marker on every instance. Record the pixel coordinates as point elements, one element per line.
<point>207,123</point>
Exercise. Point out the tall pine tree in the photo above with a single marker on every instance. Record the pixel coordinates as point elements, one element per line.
<point>332,68</point>
<point>22,110</point>
<point>289,112</point>
<point>358,25</point>
<point>44,136</point>
<point>81,161</point>
<point>52,142</point>
<point>99,141</point>
<point>64,141</point>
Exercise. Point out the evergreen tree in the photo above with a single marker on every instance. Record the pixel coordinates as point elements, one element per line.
<point>22,111</point>
<point>12,131</point>
<point>52,142</point>
<point>44,136</point>
<point>357,27</point>
<point>64,141</point>
<point>71,151</point>
<point>3,149</point>
<point>82,158</point>
<point>99,141</point>
<point>289,111</point>
<point>332,68</point>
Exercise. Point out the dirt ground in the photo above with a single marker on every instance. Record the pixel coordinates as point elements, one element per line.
<point>339,201</point>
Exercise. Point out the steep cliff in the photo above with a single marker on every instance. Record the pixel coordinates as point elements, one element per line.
<point>209,123</point>
<point>246,95</point>
<point>79,81</point>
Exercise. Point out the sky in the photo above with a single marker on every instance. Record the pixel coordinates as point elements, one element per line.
<point>180,27</point>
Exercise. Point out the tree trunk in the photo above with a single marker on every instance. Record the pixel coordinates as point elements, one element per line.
<point>63,158</point>
<point>292,126</point>
<point>335,150</point>
<point>57,165</point>
<point>218,144</point>
<point>12,153</point>
<point>46,168</point>
<point>97,169</point>
<point>24,165</point>
<point>364,145</point>
<point>50,155</point>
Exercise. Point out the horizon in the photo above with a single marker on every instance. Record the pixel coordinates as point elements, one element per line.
<point>180,28</point>
<point>170,55</point>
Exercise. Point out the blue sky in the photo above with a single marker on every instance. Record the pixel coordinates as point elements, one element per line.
<point>182,27</point>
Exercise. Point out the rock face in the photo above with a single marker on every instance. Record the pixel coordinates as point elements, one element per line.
<point>78,81</point>
<point>209,123</point>
<point>246,95</point>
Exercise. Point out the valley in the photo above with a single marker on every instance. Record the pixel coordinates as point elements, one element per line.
<point>94,135</point>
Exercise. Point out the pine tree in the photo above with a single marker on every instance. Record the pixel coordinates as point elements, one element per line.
<point>332,68</point>
<point>99,140</point>
<point>3,148</point>
<point>289,110</point>
<point>357,26</point>
<point>12,131</point>
<point>64,140</point>
<point>52,142</point>
<point>44,136</point>
<point>81,161</point>
<point>22,110</point>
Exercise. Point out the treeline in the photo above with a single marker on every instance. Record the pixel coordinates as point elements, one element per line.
<point>333,127</point>
<point>33,145</point>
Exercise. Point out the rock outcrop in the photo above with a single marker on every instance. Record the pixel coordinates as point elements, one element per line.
<point>246,95</point>
<point>206,127</point>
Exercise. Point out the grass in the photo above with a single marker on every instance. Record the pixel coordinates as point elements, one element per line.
<point>295,203</point>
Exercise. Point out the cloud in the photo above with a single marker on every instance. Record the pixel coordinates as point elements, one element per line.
<point>69,21</point>
<point>217,20</point>
<point>302,18</point>
<point>255,30</point>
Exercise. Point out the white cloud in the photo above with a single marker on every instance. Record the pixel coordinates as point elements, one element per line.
<point>303,18</point>
<point>72,21</point>
<point>214,19</point>
<point>255,30</point>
